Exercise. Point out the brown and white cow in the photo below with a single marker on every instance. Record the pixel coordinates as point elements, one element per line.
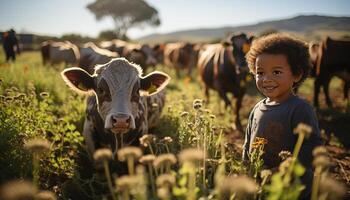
<point>58,52</point>
<point>330,58</point>
<point>223,67</point>
<point>122,106</point>
<point>91,55</point>
<point>181,56</point>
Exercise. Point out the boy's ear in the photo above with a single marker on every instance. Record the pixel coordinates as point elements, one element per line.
<point>153,83</point>
<point>78,79</point>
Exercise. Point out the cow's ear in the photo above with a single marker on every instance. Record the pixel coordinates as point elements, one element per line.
<point>78,79</point>
<point>153,83</point>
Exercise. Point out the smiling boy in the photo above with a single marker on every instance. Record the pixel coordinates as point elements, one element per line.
<point>279,64</point>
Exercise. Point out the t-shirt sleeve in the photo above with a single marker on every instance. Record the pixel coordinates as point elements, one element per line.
<point>246,144</point>
<point>305,114</point>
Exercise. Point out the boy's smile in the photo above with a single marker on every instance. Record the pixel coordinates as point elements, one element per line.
<point>274,77</point>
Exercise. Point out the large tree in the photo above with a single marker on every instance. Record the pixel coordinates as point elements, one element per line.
<point>125,14</point>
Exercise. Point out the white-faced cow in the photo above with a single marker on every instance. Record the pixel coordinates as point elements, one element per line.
<point>330,58</point>
<point>223,67</point>
<point>59,52</point>
<point>124,105</point>
<point>91,55</point>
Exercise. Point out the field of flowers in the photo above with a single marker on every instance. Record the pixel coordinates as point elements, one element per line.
<point>194,152</point>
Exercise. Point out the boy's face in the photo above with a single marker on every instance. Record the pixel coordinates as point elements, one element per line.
<point>274,77</point>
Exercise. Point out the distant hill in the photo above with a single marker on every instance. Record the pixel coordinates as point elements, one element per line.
<point>310,27</point>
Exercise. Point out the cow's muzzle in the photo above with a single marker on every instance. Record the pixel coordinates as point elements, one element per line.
<point>120,123</point>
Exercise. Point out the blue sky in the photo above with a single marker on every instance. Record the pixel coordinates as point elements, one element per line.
<point>57,17</point>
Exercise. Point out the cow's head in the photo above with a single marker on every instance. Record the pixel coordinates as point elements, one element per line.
<point>118,86</point>
<point>241,45</point>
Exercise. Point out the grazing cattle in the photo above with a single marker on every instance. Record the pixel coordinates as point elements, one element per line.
<point>142,55</point>
<point>223,67</point>
<point>330,58</point>
<point>124,106</point>
<point>58,52</point>
<point>91,55</point>
<point>181,56</point>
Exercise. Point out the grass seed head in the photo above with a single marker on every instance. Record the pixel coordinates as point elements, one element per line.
<point>147,139</point>
<point>240,185</point>
<point>126,182</point>
<point>197,104</point>
<point>147,159</point>
<point>284,155</point>
<point>191,155</point>
<point>163,159</point>
<point>321,161</point>
<point>167,140</point>
<point>320,150</point>
<point>303,129</point>
<point>166,180</point>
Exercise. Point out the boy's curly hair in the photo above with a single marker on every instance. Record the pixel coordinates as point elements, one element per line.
<point>294,49</point>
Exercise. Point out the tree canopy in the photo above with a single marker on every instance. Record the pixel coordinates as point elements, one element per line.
<point>125,13</point>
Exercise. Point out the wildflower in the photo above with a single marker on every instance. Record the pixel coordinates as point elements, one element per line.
<point>283,168</point>
<point>167,140</point>
<point>191,155</point>
<point>212,116</point>
<point>147,139</point>
<point>125,183</point>
<point>321,161</point>
<point>102,155</point>
<point>184,114</point>
<point>164,159</point>
<point>45,195</point>
<point>37,145</point>
<point>18,190</point>
<point>335,189</point>
<point>197,104</point>
<point>320,150</point>
<point>265,173</point>
<point>125,152</point>
<point>167,180</point>
<point>303,129</point>
<point>163,193</point>
<point>241,186</point>
<point>147,159</point>
<point>284,155</point>
<point>258,142</point>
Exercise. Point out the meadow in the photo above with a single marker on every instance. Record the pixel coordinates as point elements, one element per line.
<point>194,152</point>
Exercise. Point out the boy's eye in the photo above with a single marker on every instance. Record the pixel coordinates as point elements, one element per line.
<point>277,72</point>
<point>259,73</point>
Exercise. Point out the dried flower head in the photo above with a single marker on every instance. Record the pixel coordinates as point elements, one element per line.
<point>167,140</point>
<point>164,159</point>
<point>259,142</point>
<point>335,189</point>
<point>240,185</point>
<point>184,114</point>
<point>102,155</point>
<point>126,182</point>
<point>284,155</point>
<point>321,161</point>
<point>147,139</point>
<point>167,180</point>
<point>191,155</point>
<point>18,190</point>
<point>37,145</point>
<point>320,150</point>
<point>265,173</point>
<point>133,152</point>
<point>147,159</point>
<point>45,195</point>
<point>303,129</point>
<point>283,168</point>
<point>197,104</point>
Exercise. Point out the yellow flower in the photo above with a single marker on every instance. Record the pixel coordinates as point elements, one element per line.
<point>258,142</point>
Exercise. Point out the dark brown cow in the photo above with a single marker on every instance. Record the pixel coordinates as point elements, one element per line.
<point>181,56</point>
<point>224,69</point>
<point>123,104</point>
<point>142,55</point>
<point>330,58</point>
<point>58,52</point>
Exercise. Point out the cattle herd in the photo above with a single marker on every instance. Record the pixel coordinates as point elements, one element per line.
<point>123,101</point>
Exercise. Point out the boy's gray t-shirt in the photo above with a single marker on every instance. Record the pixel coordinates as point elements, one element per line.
<point>276,123</point>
